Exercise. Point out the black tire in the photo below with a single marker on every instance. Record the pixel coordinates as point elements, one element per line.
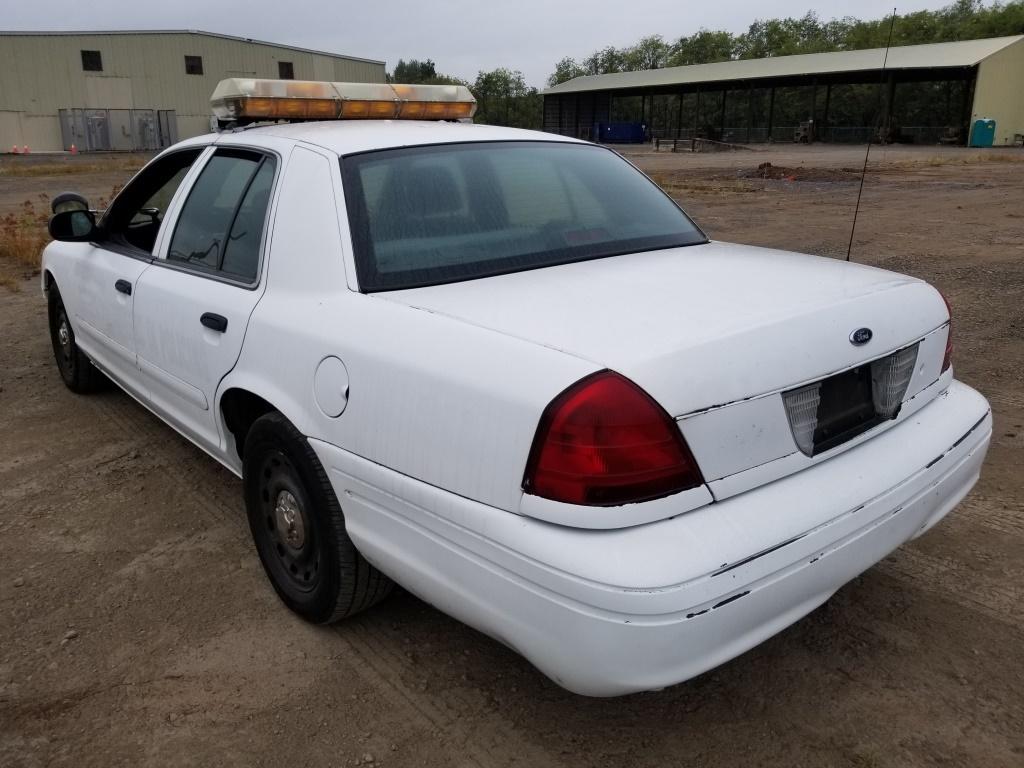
<point>299,529</point>
<point>76,369</point>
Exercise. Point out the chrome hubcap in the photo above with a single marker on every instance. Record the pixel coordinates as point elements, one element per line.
<point>291,528</point>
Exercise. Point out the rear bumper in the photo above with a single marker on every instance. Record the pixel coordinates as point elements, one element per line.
<point>612,612</point>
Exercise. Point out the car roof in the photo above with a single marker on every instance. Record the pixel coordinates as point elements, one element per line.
<point>346,137</point>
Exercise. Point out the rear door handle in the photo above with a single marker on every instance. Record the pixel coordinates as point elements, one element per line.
<point>124,287</point>
<point>214,322</point>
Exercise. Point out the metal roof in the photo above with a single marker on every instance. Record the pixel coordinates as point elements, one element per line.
<point>965,53</point>
<point>48,33</point>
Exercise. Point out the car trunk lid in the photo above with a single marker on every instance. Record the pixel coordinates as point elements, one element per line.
<point>702,326</point>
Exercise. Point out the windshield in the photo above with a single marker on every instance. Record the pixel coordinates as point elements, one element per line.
<point>443,213</point>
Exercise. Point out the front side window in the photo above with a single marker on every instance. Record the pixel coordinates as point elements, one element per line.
<point>220,227</point>
<point>134,218</point>
<point>443,213</point>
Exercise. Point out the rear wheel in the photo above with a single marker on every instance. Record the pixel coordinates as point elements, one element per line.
<point>76,370</point>
<point>299,529</point>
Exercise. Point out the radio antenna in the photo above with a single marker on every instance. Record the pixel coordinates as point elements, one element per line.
<point>867,153</point>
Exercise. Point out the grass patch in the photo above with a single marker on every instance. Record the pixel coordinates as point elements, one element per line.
<point>21,169</point>
<point>23,236</point>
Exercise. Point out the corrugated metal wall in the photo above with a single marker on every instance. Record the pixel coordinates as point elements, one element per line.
<point>999,93</point>
<point>41,74</point>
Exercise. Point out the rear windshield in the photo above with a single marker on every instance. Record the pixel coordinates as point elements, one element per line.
<point>443,213</point>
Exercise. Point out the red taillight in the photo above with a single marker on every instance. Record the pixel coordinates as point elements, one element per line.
<point>605,442</point>
<point>947,359</point>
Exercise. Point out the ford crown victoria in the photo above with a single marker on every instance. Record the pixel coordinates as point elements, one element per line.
<point>504,370</point>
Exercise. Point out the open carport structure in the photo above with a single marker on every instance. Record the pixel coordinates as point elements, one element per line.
<point>926,94</point>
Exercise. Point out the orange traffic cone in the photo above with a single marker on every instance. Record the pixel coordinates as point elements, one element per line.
<point>74,150</point>
<point>24,150</point>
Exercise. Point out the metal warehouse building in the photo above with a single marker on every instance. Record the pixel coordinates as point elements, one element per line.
<point>931,93</point>
<point>137,90</point>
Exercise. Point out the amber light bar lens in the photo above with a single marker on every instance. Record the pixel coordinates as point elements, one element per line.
<point>248,99</point>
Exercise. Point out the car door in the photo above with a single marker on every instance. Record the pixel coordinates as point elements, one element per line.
<point>193,304</point>
<point>104,277</point>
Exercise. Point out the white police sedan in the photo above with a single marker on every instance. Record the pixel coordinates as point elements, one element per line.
<point>505,370</point>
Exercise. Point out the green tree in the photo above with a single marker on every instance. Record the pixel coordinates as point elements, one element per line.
<point>566,69</point>
<point>961,20</point>
<point>702,47</point>
<point>604,61</point>
<point>649,53</point>
<point>503,98</point>
<point>414,71</point>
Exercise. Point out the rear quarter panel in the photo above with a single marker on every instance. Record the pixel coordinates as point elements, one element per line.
<point>429,396</point>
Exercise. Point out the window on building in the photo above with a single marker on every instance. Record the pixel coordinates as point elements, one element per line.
<point>193,65</point>
<point>285,70</point>
<point>92,61</point>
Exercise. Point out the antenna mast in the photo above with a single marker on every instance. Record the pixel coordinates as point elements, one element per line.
<point>867,154</point>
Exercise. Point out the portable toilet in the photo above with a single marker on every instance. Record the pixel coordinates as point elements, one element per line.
<point>983,133</point>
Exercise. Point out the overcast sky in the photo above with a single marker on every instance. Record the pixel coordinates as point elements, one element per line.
<point>461,36</point>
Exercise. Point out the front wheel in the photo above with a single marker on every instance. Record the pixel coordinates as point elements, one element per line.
<point>299,529</point>
<point>76,370</point>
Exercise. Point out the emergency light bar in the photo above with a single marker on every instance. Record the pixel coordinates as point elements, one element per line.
<point>245,100</point>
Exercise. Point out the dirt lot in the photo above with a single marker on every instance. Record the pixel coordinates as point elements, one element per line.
<point>136,626</point>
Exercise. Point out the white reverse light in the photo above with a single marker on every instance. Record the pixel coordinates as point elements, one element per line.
<point>802,409</point>
<point>889,379</point>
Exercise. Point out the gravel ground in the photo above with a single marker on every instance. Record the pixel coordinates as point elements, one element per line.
<point>136,626</point>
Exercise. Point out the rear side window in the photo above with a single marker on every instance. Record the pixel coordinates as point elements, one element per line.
<point>449,212</point>
<point>242,254</point>
<point>220,228</point>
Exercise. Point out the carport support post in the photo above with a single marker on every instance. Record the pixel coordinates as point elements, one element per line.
<point>828,101</point>
<point>965,109</point>
<point>721,127</point>
<point>890,97</point>
<point>750,109</point>
<point>679,122</point>
<point>814,109</point>
<point>696,114</point>
<point>771,113</point>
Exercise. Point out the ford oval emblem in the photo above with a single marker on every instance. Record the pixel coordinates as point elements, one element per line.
<point>861,336</point>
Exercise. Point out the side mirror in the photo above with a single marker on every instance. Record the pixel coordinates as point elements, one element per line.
<point>75,226</point>
<point>68,201</point>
